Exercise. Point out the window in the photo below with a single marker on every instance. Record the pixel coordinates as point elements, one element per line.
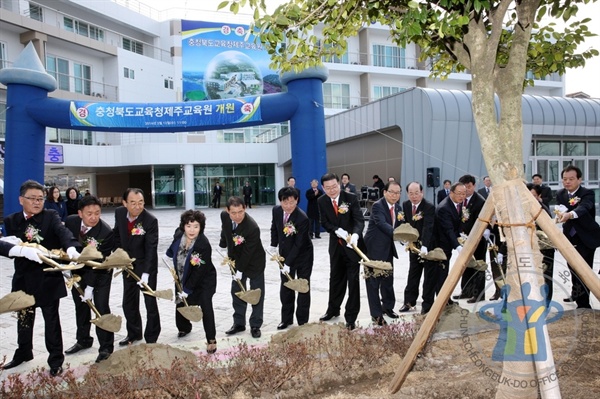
<point>83,29</point>
<point>384,91</point>
<point>336,95</point>
<point>133,46</point>
<point>59,68</point>
<point>334,58</point>
<point>573,148</point>
<point>593,148</point>
<point>549,148</point>
<point>388,56</point>
<point>3,62</point>
<point>35,12</point>
<point>83,83</point>
<point>128,73</point>
<point>68,136</point>
<point>169,84</point>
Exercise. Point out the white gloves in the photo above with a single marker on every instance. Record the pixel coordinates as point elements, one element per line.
<point>143,279</point>
<point>25,252</point>
<point>238,275</point>
<point>285,269</point>
<point>67,274</point>
<point>14,240</point>
<point>486,234</point>
<point>341,233</point>
<point>273,250</point>
<point>458,249</point>
<point>423,251</point>
<point>499,259</point>
<point>560,208</point>
<point>72,252</point>
<point>87,294</point>
<point>354,239</point>
<point>182,295</point>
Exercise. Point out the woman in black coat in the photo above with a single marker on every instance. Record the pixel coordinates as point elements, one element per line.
<point>191,253</point>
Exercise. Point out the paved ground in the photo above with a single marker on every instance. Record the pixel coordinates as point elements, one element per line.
<point>168,220</point>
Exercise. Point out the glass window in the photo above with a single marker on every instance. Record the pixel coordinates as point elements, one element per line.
<point>133,46</point>
<point>553,172</point>
<point>549,148</point>
<point>83,83</point>
<point>593,170</point>
<point>68,24</point>
<point>389,56</point>
<point>593,148</point>
<point>59,68</point>
<point>573,148</point>
<point>35,12</point>
<point>2,55</point>
<point>336,95</point>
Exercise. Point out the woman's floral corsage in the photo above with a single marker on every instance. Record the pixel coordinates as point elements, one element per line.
<point>466,214</point>
<point>400,216</point>
<point>92,242</point>
<point>289,229</point>
<point>343,208</point>
<point>574,201</point>
<point>196,259</point>
<point>33,234</point>
<point>138,230</point>
<point>238,240</point>
<point>417,216</point>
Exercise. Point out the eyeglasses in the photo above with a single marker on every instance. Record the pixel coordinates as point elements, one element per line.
<point>330,188</point>
<point>393,192</point>
<point>35,199</point>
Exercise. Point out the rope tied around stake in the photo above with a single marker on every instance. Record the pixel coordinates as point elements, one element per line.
<point>530,224</point>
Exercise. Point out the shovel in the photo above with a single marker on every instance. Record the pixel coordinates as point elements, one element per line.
<point>162,294</point>
<point>16,301</point>
<point>192,313</point>
<point>250,296</point>
<point>56,267</point>
<point>300,284</point>
<point>108,322</point>
<point>406,233</point>
<point>375,264</point>
<point>494,248</point>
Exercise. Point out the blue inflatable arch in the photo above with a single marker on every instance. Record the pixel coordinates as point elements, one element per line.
<point>29,111</point>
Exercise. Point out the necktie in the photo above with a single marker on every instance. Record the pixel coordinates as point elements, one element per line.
<point>458,208</point>
<point>465,203</point>
<point>392,214</point>
<point>414,210</point>
<point>286,216</point>
<point>84,230</point>
<point>234,225</point>
<point>447,192</point>
<point>335,207</point>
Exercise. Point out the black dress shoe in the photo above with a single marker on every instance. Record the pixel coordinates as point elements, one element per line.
<point>461,296</point>
<point>495,297</point>
<point>235,329</point>
<point>76,348</point>
<point>182,334</point>
<point>406,308</point>
<point>16,361</point>
<point>476,299</point>
<point>450,302</point>
<point>328,316</point>
<point>255,331</point>
<point>54,371</point>
<point>129,341</point>
<point>379,321</point>
<point>424,312</point>
<point>569,299</point>
<point>283,326</point>
<point>102,356</point>
<point>317,236</point>
<point>350,326</point>
<point>390,313</point>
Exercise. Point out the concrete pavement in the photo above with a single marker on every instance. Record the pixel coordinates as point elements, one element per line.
<point>168,221</point>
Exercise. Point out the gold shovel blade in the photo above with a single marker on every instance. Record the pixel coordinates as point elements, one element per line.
<point>300,285</point>
<point>436,255</point>
<point>162,294</point>
<point>108,322</point>
<point>252,297</point>
<point>192,313</point>
<point>15,301</point>
<point>377,264</point>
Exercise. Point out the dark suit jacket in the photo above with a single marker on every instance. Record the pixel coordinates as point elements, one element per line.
<point>546,195</point>
<point>249,256</point>
<point>447,225</point>
<point>312,209</point>
<point>351,221</point>
<point>483,192</point>
<point>425,224</point>
<point>29,276</point>
<point>474,207</point>
<point>197,280</point>
<point>141,247</point>
<point>379,237</point>
<point>297,249</point>
<point>351,188</point>
<point>441,195</point>
<point>585,225</point>
<point>101,234</point>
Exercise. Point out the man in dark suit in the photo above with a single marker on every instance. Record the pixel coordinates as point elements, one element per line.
<point>291,181</point>
<point>447,229</point>
<point>136,232</point>
<point>546,191</point>
<point>346,185</point>
<point>92,231</point>
<point>240,234</point>
<point>385,216</point>
<point>342,218</point>
<point>472,283</point>
<point>290,231</point>
<point>312,209</point>
<point>217,192</point>
<point>444,192</point>
<point>487,187</point>
<point>420,214</point>
<point>247,191</point>
<point>33,225</point>
<point>579,226</point>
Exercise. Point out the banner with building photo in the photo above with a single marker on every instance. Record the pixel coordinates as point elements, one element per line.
<point>222,60</point>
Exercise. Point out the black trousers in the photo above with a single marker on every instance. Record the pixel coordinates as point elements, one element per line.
<point>240,307</point>
<point>315,227</point>
<point>208,316</point>
<point>580,292</point>
<point>344,272</point>
<point>380,292</point>
<point>472,283</point>
<point>288,296</point>
<point>131,309</point>
<point>416,269</point>
<point>52,333</point>
<point>101,298</point>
